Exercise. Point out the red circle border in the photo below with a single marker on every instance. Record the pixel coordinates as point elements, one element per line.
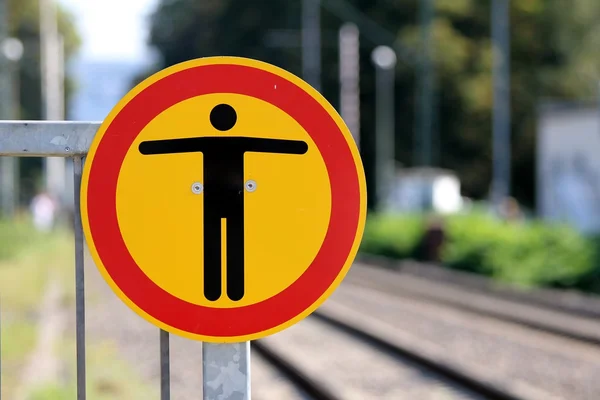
<point>102,212</point>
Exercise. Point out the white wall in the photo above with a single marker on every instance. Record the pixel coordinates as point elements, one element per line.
<point>415,192</point>
<point>569,166</point>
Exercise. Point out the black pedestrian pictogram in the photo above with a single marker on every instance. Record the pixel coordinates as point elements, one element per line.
<point>223,193</point>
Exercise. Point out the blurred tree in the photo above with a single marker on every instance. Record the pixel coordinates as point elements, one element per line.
<point>185,29</point>
<point>553,54</point>
<point>25,24</point>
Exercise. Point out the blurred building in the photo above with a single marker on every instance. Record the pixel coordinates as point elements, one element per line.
<point>568,164</point>
<point>425,189</point>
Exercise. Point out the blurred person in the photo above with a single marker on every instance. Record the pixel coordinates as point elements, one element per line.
<point>43,209</point>
<point>510,210</point>
<point>433,240</point>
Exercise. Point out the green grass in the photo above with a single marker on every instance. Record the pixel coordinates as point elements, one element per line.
<point>16,237</point>
<point>50,392</point>
<point>108,377</point>
<point>28,259</point>
<point>18,338</point>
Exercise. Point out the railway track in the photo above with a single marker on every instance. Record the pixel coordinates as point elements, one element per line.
<point>317,390</point>
<point>327,361</point>
<point>577,323</point>
<point>356,313</point>
<point>297,377</point>
<point>566,301</point>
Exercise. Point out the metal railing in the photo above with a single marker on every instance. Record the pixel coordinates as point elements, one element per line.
<point>222,364</point>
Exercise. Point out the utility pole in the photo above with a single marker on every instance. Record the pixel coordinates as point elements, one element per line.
<point>311,42</point>
<point>384,59</point>
<point>6,105</point>
<point>598,98</point>
<point>11,51</point>
<point>501,112</point>
<point>52,74</point>
<point>424,122</point>
<point>349,79</point>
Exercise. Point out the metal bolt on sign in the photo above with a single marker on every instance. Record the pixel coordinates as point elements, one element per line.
<point>197,188</point>
<point>250,185</point>
<point>225,317</point>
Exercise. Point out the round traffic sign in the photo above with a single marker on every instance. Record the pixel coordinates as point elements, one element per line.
<point>223,199</point>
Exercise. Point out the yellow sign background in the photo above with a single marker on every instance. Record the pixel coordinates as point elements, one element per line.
<point>161,219</point>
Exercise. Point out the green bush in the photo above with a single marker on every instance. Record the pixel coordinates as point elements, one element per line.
<point>394,236</point>
<point>523,253</point>
<point>532,253</point>
<point>590,280</point>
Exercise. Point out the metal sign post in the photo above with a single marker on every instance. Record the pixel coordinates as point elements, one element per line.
<point>79,279</point>
<point>165,366</point>
<point>226,371</point>
<point>0,349</point>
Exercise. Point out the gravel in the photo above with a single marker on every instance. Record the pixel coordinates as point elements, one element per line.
<point>353,368</point>
<point>269,384</point>
<point>515,354</point>
<point>137,341</point>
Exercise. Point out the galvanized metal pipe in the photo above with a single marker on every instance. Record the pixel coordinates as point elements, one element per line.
<point>165,366</point>
<point>79,282</point>
<point>226,371</point>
